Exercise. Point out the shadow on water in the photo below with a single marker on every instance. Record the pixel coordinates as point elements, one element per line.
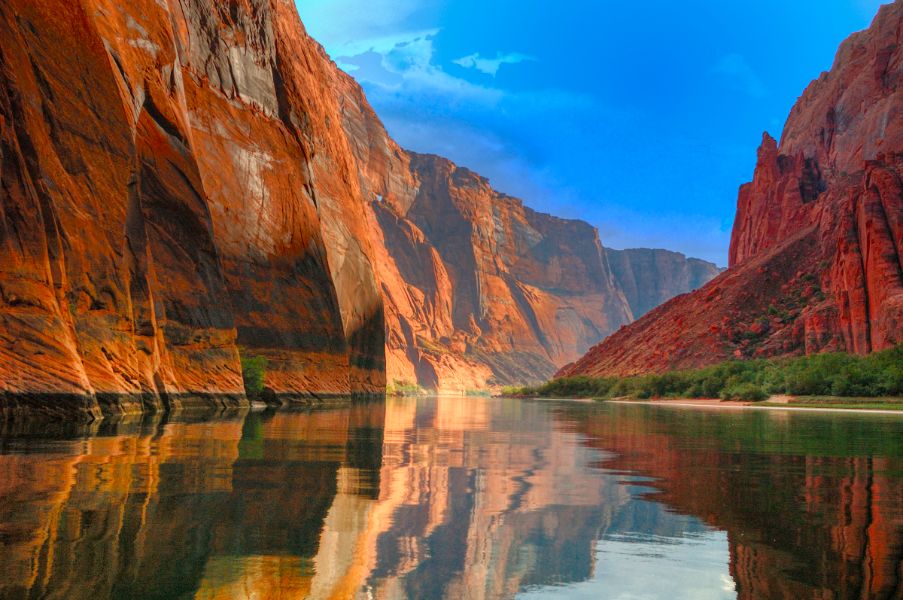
<point>453,498</point>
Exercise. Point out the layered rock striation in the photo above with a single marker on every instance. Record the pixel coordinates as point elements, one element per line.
<point>815,257</point>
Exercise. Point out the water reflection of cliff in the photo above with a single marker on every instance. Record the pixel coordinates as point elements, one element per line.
<point>178,509</point>
<point>454,498</point>
<point>476,500</point>
<point>413,499</point>
<point>812,504</point>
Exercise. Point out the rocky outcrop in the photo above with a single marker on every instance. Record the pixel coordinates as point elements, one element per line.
<point>815,258</point>
<point>650,278</point>
<point>513,290</point>
<point>175,186</point>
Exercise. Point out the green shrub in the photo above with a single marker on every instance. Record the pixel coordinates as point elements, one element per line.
<point>744,391</point>
<point>879,374</point>
<point>404,388</point>
<point>514,391</point>
<point>253,372</point>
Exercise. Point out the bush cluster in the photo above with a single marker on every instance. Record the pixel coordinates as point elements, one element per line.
<point>404,388</point>
<point>845,375</point>
<point>253,372</point>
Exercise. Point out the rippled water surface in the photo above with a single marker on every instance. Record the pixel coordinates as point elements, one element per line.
<point>457,498</point>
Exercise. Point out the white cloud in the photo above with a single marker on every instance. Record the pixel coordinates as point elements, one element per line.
<point>382,44</point>
<point>405,64</point>
<point>735,69</point>
<point>491,66</point>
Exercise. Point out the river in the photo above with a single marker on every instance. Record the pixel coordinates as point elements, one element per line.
<point>456,498</point>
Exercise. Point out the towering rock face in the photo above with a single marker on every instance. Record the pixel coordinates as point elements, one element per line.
<point>510,289</point>
<point>203,183</point>
<point>175,186</point>
<point>815,258</point>
<point>649,278</point>
<point>479,289</point>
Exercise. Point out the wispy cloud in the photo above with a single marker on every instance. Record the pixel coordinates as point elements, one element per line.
<point>491,66</point>
<point>740,75</point>
<point>404,66</point>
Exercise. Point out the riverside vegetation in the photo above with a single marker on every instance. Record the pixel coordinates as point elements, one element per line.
<point>837,375</point>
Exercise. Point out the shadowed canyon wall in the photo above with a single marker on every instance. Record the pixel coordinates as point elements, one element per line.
<point>204,185</point>
<point>815,258</point>
<point>479,289</point>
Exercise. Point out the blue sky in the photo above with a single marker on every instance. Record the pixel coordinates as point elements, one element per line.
<point>641,118</point>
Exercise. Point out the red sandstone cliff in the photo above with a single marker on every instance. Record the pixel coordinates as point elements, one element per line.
<point>815,258</point>
<point>175,186</point>
<point>187,182</point>
<point>649,278</point>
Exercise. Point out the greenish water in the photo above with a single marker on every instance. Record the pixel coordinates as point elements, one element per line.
<point>456,498</point>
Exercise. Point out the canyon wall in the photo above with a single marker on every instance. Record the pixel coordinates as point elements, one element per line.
<point>815,257</point>
<point>176,191</point>
<point>202,185</point>
<point>479,289</point>
<point>650,278</point>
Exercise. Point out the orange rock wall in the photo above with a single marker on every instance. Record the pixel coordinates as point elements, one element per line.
<point>187,182</point>
<point>176,187</point>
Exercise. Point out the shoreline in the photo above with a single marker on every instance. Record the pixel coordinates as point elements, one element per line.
<point>91,408</point>
<point>739,405</point>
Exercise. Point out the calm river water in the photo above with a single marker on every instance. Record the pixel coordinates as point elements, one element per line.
<point>457,498</point>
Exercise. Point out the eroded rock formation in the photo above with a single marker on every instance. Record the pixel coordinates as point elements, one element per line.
<point>479,289</point>
<point>815,258</point>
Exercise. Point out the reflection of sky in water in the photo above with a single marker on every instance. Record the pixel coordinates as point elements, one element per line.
<point>639,566</point>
